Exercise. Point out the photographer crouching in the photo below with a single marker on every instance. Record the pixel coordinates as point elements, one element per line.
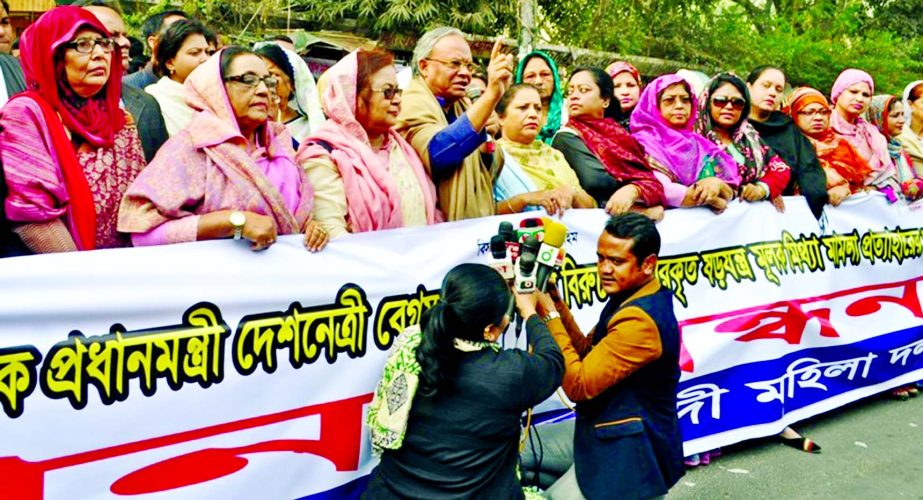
<point>446,412</point>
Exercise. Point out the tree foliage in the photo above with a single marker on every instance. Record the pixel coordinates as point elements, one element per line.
<point>413,16</point>
<point>813,40</point>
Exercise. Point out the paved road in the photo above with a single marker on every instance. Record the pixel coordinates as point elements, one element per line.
<point>872,449</point>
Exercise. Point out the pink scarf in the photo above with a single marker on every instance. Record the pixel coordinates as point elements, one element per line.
<point>865,137</point>
<point>684,152</point>
<point>372,196</point>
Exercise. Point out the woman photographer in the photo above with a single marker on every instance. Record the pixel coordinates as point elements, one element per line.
<point>446,413</point>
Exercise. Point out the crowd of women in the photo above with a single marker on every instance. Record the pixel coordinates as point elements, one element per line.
<point>255,150</point>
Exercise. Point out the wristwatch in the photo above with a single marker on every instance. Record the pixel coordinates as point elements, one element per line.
<point>550,316</point>
<point>238,221</point>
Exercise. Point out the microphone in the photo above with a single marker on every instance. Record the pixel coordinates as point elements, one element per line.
<point>499,260</point>
<point>525,275</point>
<point>509,236</point>
<point>550,252</point>
<point>530,227</point>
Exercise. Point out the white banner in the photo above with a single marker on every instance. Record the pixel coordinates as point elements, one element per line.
<point>201,370</point>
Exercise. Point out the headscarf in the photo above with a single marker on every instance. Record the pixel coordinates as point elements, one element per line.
<point>213,142</point>
<point>832,150</point>
<point>848,78</point>
<point>615,69</point>
<point>556,103</point>
<point>911,142</point>
<point>905,100</point>
<point>879,111</point>
<point>621,67</point>
<point>864,136</point>
<point>697,80</point>
<point>911,183</point>
<point>744,137</point>
<point>786,139</point>
<point>684,152</point>
<point>215,130</point>
<point>306,100</point>
<point>96,119</point>
<point>373,197</point>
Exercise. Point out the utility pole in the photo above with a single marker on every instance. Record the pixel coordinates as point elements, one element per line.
<point>526,26</point>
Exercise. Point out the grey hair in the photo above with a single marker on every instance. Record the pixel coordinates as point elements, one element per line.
<point>428,41</point>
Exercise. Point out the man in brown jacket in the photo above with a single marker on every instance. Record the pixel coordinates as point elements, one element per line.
<point>623,375</point>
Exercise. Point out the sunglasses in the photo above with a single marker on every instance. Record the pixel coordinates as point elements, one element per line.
<point>389,92</point>
<point>722,101</point>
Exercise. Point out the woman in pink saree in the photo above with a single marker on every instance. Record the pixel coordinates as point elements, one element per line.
<point>68,150</point>
<point>230,173</point>
<point>365,175</point>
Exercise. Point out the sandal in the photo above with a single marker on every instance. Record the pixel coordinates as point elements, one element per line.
<point>801,443</point>
<point>693,461</point>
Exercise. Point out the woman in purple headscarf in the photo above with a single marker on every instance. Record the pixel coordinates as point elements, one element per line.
<point>692,169</point>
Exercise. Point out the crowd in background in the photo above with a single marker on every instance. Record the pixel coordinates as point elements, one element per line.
<point>100,149</point>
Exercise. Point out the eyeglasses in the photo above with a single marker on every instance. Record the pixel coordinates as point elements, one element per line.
<point>816,112</point>
<point>86,45</point>
<point>676,99</point>
<point>252,80</point>
<point>456,64</point>
<point>389,92</point>
<point>722,101</point>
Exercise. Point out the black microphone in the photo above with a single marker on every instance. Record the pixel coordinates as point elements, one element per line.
<point>525,273</point>
<point>499,260</point>
<point>509,235</point>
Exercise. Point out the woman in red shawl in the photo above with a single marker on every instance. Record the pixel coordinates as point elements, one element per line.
<point>846,170</point>
<point>68,150</point>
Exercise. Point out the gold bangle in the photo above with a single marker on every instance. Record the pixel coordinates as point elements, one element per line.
<point>510,206</point>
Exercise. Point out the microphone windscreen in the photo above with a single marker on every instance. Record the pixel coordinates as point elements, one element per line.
<point>498,246</point>
<point>555,233</point>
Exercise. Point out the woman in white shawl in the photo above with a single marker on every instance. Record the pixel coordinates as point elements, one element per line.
<point>298,103</point>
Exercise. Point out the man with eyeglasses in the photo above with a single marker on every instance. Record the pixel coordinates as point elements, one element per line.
<point>139,104</point>
<point>446,129</point>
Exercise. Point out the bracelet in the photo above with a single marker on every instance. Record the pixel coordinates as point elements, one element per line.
<point>510,206</point>
<point>550,316</point>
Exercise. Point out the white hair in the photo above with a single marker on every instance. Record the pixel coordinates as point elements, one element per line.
<point>428,41</point>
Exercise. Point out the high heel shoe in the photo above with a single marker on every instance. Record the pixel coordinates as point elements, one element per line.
<point>801,443</point>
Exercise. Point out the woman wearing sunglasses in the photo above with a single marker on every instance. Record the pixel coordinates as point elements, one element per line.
<point>67,148</point>
<point>366,177</point>
<point>693,170</point>
<point>231,173</point>
<point>723,113</point>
